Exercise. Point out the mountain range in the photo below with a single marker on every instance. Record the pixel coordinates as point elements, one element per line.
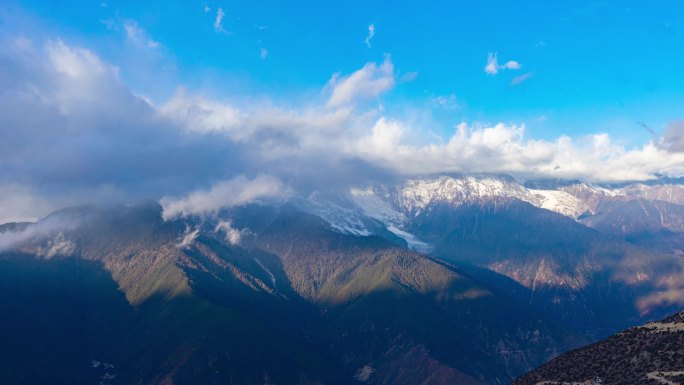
<point>467,279</point>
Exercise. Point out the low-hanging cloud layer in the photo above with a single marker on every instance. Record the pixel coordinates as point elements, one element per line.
<point>74,132</point>
<point>233,192</point>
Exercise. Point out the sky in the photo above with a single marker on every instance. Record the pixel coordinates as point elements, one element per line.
<point>118,100</point>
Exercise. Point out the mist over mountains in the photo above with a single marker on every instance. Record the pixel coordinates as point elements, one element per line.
<point>101,141</point>
<point>335,193</point>
<point>450,279</point>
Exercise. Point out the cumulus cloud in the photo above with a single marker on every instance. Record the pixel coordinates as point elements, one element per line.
<point>369,37</point>
<point>234,192</point>
<point>365,83</point>
<point>276,130</point>
<point>493,67</point>
<point>504,148</point>
<point>74,133</point>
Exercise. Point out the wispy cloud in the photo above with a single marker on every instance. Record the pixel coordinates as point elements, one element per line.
<point>520,79</point>
<point>218,22</point>
<point>367,82</point>
<point>371,33</point>
<point>492,67</point>
<point>408,77</point>
<point>447,102</point>
<point>138,36</point>
<point>188,238</point>
<point>263,53</point>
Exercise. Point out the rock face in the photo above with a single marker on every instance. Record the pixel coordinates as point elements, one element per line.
<point>648,354</point>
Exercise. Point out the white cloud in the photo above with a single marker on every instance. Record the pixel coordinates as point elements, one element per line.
<point>138,36</point>
<point>59,245</point>
<point>520,79</point>
<point>218,22</point>
<point>233,192</point>
<point>365,83</point>
<point>492,67</point>
<point>263,53</point>
<point>48,227</point>
<point>511,65</point>
<point>447,102</point>
<point>188,239</point>
<point>74,133</point>
<point>232,235</point>
<point>369,37</point>
<point>76,63</point>
<point>202,115</point>
<point>207,9</point>
<point>502,148</point>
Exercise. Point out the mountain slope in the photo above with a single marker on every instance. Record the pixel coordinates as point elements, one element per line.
<point>594,282</point>
<point>648,354</point>
<point>390,303</point>
<point>656,225</point>
<point>122,298</point>
<point>290,300</point>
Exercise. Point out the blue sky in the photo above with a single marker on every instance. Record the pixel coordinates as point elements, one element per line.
<point>120,100</point>
<point>593,66</point>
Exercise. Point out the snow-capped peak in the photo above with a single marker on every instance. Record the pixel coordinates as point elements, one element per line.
<point>394,206</point>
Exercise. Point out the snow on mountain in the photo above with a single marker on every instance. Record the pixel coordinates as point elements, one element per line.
<point>393,206</point>
<point>560,202</point>
<point>412,241</point>
<point>416,194</point>
<point>591,196</point>
<point>376,203</point>
<point>340,213</point>
<point>413,196</point>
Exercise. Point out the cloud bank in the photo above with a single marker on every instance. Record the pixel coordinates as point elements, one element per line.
<point>73,132</point>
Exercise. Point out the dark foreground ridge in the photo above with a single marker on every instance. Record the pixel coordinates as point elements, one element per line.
<point>648,354</point>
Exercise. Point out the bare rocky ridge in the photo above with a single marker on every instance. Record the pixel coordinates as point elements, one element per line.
<point>648,354</point>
